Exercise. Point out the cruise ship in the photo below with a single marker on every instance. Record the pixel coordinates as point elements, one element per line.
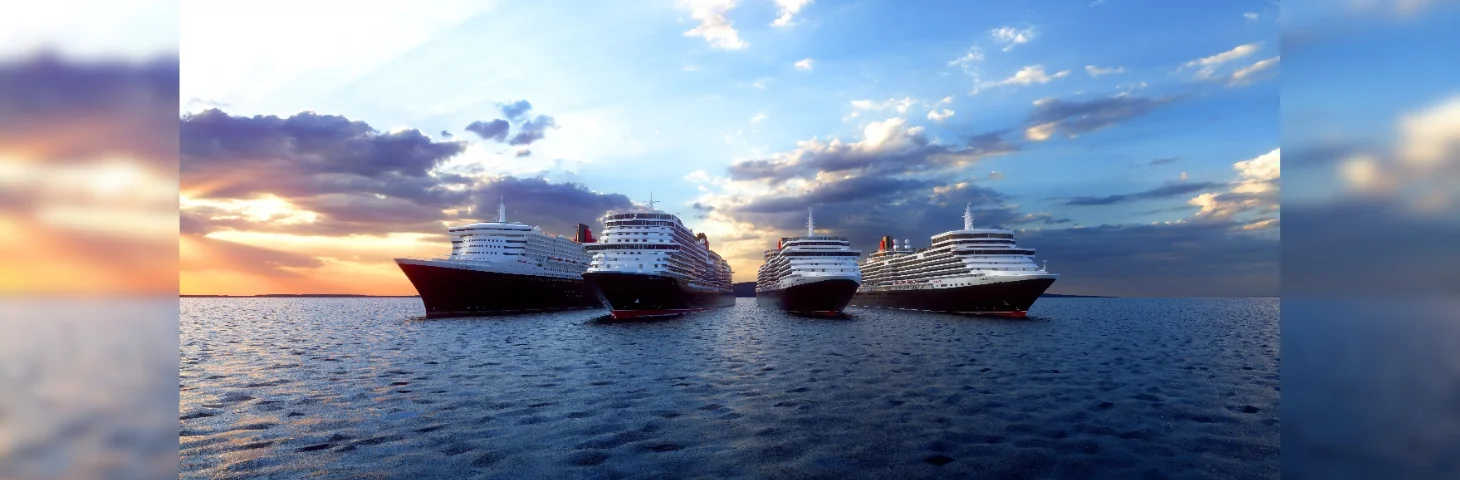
<point>976,271</point>
<point>811,274</point>
<point>648,264</point>
<point>503,267</point>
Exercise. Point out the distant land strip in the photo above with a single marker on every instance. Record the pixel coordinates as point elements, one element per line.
<point>739,292</point>
<point>300,295</point>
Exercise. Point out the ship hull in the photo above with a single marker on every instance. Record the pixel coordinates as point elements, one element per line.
<point>821,297</point>
<point>1011,298</point>
<point>633,295</point>
<point>456,292</point>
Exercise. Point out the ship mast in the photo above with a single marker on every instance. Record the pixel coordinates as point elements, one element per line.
<point>809,224</point>
<point>651,200</point>
<point>968,217</point>
<point>502,210</point>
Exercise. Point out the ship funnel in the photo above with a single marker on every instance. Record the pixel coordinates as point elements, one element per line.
<point>584,235</point>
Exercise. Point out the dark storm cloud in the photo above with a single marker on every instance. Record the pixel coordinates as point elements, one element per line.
<point>1164,191</point>
<point>1179,259</point>
<point>532,130</point>
<point>557,207</point>
<point>213,142</point>
<point>702,207</point>
<point>1323,154</point>
<point>1159,162</point>
<point>858,189</point>
<point>1182,208</point>
<point>522,153</point>
<point>493,130</point>
<point>515,110</point>
<point>865,209</point>
<point>445,134</point>
<point>358,180</point>
<point>917,153</point>
<point>1376,247</point>
<point>64,110</point>
<point>1073,117</point>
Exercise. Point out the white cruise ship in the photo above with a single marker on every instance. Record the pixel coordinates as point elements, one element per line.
<point>503,267</point>
<point>810,274</point>
<point>648,264</point>
<point>979,271</point>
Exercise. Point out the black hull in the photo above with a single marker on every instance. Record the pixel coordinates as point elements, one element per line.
<point>1007,298</point>
<point>630,295</point>
<point>453,292</point>
<point>826,297</point>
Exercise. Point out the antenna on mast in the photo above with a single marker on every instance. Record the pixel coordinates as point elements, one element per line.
<point>502,210</point>
<point>809,224</point>
<point>651,200</point>
<point>968,217</point>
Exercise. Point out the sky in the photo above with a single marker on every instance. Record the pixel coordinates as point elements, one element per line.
<point>1135,145</point>
<point>88,149</point>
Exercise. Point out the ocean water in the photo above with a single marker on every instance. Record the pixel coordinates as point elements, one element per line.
<point>1091,388</point>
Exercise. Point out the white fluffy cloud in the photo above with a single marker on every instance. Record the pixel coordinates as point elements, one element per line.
<point>804,64</point>
<point>1256,189</point>
<point>1010,36</point>
<point>1030,75</point>
<point>939,115</point>
<point>1095,71</point>
<point>788,10</point>
<point>1246,74</point>
<point>1207,66</point>
<point>714,27</point>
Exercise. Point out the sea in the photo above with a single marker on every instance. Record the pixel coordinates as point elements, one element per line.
<point>1120,388</point>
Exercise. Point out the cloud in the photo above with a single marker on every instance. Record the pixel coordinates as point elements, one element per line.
<point>515,110</point>
<point>713,26</point>
<point>1095,71</point>
<point>1029,75</point>
<point>1250,16</point>
<point>445,134</point>
<point>888,147</point>
<point>522,152</point>
<point>804,64</point>
<point>1164,191</point>
<point>1159,162</point>
<point>61,109</point>
<point>901,105</point>
<point>1256,189</point>
<point>759,117</point>
<point>788,9</point>
<point>1207,66</point>
<point>939,115</point>
<point>996,176</point>
<point>1166,259</point>
<point>1074,117</point>
<point>966,61</point>
<point>532,130</point>
<point>1010,36</point>
<point>493,130</point>
<point>327,175</point>
<point>1245,75</point>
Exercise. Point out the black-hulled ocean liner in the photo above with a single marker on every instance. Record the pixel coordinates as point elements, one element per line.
<point>502,267</point>
<point>648,264</point>
<point>980,271</point>
<point>810,274</point>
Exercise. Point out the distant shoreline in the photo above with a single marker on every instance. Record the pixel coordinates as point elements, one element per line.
<point>300,295</point>
<point>349,295</point>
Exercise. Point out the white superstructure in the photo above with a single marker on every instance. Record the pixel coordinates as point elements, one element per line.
<point>655,242</point>
<point>967,257</point>
<point>809,259</point>
<point>513,248</point>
